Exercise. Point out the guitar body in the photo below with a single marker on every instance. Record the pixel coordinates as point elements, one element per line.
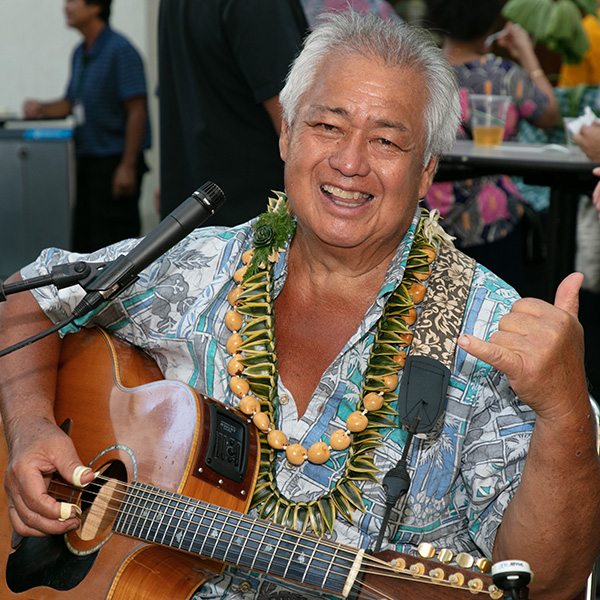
<point>129,424</point>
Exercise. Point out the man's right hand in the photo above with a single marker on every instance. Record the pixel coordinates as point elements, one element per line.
<point>32,109</point>
<point>588,139</point>
<point>38,448</point>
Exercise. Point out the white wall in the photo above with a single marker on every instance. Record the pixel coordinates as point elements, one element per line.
<point>35,51</point>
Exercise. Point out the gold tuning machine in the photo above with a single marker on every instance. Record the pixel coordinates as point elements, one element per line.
<point>445,556</point>
<point>465,561</point>
<point>426,550</point>
<point>483,565</point>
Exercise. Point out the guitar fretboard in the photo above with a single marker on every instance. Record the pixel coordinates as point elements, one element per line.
<point>193,526</point>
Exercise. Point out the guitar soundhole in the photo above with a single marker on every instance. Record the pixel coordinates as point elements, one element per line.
<point>100,502</point>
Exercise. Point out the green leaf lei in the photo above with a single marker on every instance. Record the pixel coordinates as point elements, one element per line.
<point>272,231</point>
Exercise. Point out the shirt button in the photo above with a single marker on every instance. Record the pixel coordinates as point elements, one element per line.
<point>284,399</point>
<point>245,587</point>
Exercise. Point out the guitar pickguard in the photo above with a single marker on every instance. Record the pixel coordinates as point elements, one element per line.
<point>46,561</point>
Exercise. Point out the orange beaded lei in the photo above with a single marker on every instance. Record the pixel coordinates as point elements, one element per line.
<point>253,370</point>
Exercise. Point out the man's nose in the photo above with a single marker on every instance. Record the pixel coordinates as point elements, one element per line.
<point>350,156</point>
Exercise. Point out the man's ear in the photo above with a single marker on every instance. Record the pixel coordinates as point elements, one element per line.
<point>284,140</point>
<point>427,176</point>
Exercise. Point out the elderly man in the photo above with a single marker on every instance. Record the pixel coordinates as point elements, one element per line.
<point>342,262</point>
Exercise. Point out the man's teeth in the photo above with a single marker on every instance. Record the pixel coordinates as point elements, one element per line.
<point>339,193</point>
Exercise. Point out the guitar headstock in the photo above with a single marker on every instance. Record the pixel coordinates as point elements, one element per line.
<point>447,576</point>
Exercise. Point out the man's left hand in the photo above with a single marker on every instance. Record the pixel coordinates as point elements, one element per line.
<point>539,346</point>
<point>124,181</point>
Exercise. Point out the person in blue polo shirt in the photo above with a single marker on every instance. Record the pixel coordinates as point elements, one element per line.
<point>106,95</point>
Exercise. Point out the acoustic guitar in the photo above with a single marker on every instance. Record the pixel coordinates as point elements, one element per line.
<point>167,510</point>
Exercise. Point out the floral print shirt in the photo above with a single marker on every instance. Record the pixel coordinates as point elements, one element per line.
<point>485,209</point>
<point>462,476</point>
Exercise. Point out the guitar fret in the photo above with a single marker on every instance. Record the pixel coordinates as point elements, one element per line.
<point>151,516</point>
<point>189,513</point>
<point>261,543</point>
<point>309,567</point>
<point>233,552</point>
<point>217,533</point>
<point>339,567</point>
<point>198,538</point>
<point>169,509</point>
<point>292,561</point>
<point>132,501</point>
<point>273,552</point>
<point>208,535</point>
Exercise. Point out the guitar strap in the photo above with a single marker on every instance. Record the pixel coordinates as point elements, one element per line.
<point>437,329</point>
<point>422,393</point>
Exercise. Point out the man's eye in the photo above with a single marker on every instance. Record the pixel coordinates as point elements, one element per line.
<point>327,126</point>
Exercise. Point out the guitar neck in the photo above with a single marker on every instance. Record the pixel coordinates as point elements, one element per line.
<point>182,523</point>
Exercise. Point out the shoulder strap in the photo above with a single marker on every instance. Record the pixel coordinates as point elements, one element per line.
<point>439,323</point>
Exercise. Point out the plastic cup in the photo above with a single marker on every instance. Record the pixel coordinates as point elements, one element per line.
<point>568,132</point>
<point>488,117</point>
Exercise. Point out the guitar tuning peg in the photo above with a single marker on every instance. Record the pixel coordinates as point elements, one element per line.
<point>465,561</point>
<point>483,565</point>
<point>398,564</point>
<point>426,550</point>
<point>445,556</point>
<point>475,585</point>
<point>456,579</point>
<point>437,574</point>
<point>417,569</point>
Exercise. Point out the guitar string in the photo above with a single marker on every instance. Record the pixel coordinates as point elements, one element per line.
<point>370,564</point>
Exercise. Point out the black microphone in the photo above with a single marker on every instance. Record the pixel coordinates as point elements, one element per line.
<point>121,273</point>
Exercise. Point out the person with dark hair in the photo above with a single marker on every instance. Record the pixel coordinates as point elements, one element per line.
<point>106,95</point>
<point>221,65</point>
<point>307,320</point>
<point>487,215</point>
<point>313,9</point>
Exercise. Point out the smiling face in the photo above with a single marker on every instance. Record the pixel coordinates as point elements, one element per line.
<point>353,156</point>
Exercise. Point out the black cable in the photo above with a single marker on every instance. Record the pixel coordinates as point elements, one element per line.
<point>396,483</point>
<point>38,336</point>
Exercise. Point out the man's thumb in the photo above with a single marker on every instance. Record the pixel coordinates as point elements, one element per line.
<point>567,294</point>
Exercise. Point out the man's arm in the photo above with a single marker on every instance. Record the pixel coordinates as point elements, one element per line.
<point>273,107</point>
<point>37,447</point>
<point>519,45</point>
<point>59,109</point>
<point>596,194</point>
<point>125,178</point>
<point>552,521</point>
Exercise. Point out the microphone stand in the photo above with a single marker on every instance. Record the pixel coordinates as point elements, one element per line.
<point>60,276</point>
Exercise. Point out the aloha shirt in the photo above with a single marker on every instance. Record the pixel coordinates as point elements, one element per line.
<point>462,477</point>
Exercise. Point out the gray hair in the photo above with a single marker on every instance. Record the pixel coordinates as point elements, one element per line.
<point>394,43</point>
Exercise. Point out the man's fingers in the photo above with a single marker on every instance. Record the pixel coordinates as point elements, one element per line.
<point>495,355</point>
<point>567,294</point>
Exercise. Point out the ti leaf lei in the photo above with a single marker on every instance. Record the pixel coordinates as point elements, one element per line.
<point>272,231</point>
